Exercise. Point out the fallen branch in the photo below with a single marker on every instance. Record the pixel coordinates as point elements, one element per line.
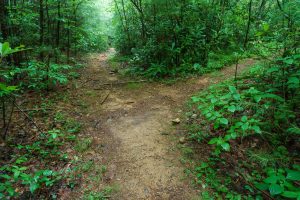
<point>35,109</point>
<point>119,83</point>
<point>107,95</point>
<point>9,121</point>
<point>27,116</point>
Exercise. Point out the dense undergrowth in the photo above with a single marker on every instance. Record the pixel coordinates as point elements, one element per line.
<point>172,38</point>
<point>249,128</point>
<point>40,43</point>
<point>39,146</point>
<point>157,72</point>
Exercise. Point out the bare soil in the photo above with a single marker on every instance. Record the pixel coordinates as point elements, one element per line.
<point>132,131</point>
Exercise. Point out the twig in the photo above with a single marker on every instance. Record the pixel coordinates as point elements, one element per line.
<point>236,71</point>
<point>35,109</point>
<point>9,120</point>
<point>119,83</point>
<point>97,123</point>
<point>28,117</point>
<point>107,95</point>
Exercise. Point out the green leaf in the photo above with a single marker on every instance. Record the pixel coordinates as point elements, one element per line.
<point>237,97</point>
<point>232,108</point>
<point>213,141</point>
<point>273,69</point>
<point>297,167</point>
<point>225,146</point>
<point>47,172</point>
<point>293,175</point>
<point>4,49</point>
<point>257,99</point>
<point>244,118</point>
<point>195,99</point>
<point>213,100</point>
<point>5,176</point>
<point>23,168</point>
<point>233,135</point>
<point>33,187</point>
<point>256,129</point>
<point>293,82</point>
<point>259,33</point>
<point>290,194</point>
<point>275,189</point>
<point>288,61</point>
<point>262,186</point>
<point>294,130</point>
<point>21,160</point>
<point>197,66</point>
<point>224,121</point>
<point>11,191</point>
<point>227,137</point>
<point>273,96</point>
<point>266,27</point>
<point>232,89</point>
<point>289,185</point>
<point>271,179</point>
<point>16,174</point>
<point>245,126</point>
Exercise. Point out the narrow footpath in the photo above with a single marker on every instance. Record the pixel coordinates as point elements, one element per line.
<point>131,127</point>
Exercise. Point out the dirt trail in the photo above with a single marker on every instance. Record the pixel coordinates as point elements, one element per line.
<point>132,124</point>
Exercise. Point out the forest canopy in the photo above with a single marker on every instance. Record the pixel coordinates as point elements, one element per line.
<point>51,27</point>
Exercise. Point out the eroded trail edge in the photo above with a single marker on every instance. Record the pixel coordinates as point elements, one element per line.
<point>132,131</point>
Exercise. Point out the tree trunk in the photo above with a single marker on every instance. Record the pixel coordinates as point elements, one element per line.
<point>248,25</point>
<point>41,28</point>
<point>3,20</point>
<point>58,29</point>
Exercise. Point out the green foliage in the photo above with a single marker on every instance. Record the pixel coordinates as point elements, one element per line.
<point>175,37</point>
<point>34,181</point>
<point>282,182</point>
<point>167,37</point>
<point>6,50</point>
<point>39,76</point>
<point>260,106</point>
<point>208,176</point>
<point>45,148</point>
<point>6,90</point>
<point>83,145</point>
<point>55,31</point>
<point>103,195</point>
<point>56,28</point>
<point>33,75</point>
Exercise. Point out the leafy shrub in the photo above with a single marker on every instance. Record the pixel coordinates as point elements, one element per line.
<point>282,182</point>
<point>259,105</point>
<point>39,76</point>
<point>33,179</point>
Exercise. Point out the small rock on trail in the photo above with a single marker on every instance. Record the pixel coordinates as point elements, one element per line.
<point>176,121</point>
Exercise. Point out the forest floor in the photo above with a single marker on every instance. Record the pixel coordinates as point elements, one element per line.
<point>132,132</point>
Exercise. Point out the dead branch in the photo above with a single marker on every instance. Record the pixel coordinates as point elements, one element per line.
<point>27,116</point>
<point>35,109</point>
<point>107,95</point>
<point>119,83</point>
<point>9,120</point>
